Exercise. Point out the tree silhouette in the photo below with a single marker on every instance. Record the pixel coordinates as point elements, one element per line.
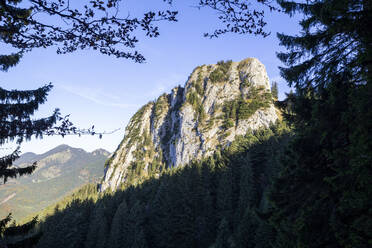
<point>100,25</point>
<point>321,198</point>
<point>238,16</point>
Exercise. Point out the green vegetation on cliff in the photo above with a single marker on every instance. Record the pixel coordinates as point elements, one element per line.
<point>242,109</point>
<point>221,73</point>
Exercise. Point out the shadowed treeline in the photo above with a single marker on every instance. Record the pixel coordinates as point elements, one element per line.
<point>216,202</point>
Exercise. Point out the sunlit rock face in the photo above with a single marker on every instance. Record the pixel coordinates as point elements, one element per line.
<point>218,103</point>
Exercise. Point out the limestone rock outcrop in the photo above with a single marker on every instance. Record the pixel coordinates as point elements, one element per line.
<point>218,103</point>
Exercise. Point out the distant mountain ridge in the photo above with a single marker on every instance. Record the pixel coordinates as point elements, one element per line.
<point>59,171</point>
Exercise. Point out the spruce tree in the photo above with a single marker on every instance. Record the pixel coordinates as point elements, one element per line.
<point>208,230</point>
<point>117,228</point>
<point>321,198</point>
<point>223,239</point>
<point>264,236</point>
<point>16,124</point>
<point>134,226</point>
<point>159,215</point>
<point>248,191</point>
<point>140,240</point>
<point>224,195</point>
<point>274,90</point>
<point>247,229</point>
<point>98,230</point>
<point>182,217</point>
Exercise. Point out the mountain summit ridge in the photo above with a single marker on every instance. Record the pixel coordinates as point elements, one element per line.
<point>218,103</point>
<point>59,171</point>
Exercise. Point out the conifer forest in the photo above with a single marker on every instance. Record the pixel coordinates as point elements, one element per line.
<point>226,160</point>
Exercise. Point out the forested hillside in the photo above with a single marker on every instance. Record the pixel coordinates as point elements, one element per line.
<point>301,180</point>
<point>220,202</point>
<point>60,171</point>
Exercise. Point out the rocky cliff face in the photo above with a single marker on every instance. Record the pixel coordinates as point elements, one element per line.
<point>218,103</point>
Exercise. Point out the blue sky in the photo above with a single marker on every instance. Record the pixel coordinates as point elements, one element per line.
<point>106,91</point>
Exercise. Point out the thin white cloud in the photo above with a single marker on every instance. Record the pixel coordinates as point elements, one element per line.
<point>97,96</point>
<point>164,85</point>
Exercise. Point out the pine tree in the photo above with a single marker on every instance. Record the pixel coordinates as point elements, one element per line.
<point>17,108</point>
<point>208,229</point>
<point>140,240</point>
<point>274,90</point>
<point>264,236</point>
<point>16,124</point>
<point>182,217</point>
<point>322,197</point>
<point>224,195</point>
<point>223,236</point>
<point>117,228</point>
<point>98,230</point>
<point>248,192</point>
<point>159,215</point>
<point>247,229</point>
<point>134,225</point>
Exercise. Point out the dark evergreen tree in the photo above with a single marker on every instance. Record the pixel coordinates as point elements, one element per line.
<point>264,236</point>
<point>98,230</point>
<point>17,124</point>
<point>321,198</point>
<point>161,206</point>
<point>247,229</point>
<point>224,195</point>
<point>208,219</point>
<point>181,218</point>
<point>223,239</point>
<point>133,229</point>
<point>120,219</point>
<point>248,191</point>
<point>274,90</point>
<point>140,240</point>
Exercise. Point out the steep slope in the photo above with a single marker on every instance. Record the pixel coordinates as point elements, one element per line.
<point>59,171</point>
<point>185,207</point>
<point>218,103</point>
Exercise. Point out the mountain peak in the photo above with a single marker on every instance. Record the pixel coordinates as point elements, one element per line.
<point>62,147</point>
<point>218,103</point>
<point>59,148</point>
<point>59,171</point>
